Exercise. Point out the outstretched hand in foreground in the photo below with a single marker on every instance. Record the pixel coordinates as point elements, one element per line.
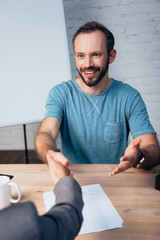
<point>130,157</point>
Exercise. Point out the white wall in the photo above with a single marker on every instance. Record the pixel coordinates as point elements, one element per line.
<point>136,27</point>
<point>30,58</point>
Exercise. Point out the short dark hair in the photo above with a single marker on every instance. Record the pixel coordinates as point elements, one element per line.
<point>93,26</point>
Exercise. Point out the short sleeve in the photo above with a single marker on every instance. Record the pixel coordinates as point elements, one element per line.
<point>138,118</point>
<point>54,104</point>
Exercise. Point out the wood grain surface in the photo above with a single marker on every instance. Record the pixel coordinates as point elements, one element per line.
<point>132,193</point>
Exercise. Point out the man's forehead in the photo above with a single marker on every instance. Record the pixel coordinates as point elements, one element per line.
<point>93,41</point>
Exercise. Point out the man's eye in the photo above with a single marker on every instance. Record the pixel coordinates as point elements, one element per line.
<point>80,55</point>
<point>96,54</point>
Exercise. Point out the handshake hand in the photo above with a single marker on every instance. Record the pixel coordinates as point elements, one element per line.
<point>59,166</point>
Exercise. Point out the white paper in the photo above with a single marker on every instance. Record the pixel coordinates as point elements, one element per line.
<point>98,212</point>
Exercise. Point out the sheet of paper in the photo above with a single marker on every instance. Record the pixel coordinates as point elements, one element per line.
<point>98,212</point>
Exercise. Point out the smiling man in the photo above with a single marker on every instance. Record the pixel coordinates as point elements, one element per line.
<point>95,113</point>
<point>92,59</point>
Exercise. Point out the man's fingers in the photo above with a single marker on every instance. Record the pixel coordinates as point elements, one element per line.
<point>59,157</point>
<point>122,159</point>
<point>128,160</point>
<point>115,171</point>
<point>49,157</point>
<point>121,167</point>
<point>65,162</point>
<point>136,142</point>
<point>57,170</point>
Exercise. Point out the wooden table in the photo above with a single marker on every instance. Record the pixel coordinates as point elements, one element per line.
<point>131,192</point>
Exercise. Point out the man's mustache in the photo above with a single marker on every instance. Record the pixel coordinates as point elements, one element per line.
<point>90,69</point>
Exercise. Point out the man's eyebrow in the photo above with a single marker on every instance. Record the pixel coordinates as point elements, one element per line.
<point>79,53</point>
<point>97,51</point>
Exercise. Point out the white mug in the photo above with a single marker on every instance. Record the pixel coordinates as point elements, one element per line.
<point>5,192</point>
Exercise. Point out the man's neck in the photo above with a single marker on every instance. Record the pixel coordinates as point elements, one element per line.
<point>100,87</point>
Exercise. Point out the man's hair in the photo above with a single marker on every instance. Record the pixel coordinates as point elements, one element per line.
<point>93,26</point>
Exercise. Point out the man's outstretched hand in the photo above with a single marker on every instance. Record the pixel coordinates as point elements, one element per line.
<point>58,168</point>
<point>130,157</point>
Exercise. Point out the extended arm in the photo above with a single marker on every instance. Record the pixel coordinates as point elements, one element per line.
<point>45,142</point>
<point>58,222</point>
<point>46,137</point>
<point>64,220</point>
<point>145,147</point>
<point>55,224</point>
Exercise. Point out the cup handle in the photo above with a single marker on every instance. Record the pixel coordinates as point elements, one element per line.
<point>12,200</point>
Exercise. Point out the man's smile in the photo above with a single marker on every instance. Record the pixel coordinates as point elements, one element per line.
<point>90,72</point>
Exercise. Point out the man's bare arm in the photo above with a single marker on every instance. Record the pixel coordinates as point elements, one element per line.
<point>45,142</point>
<point>145,147</point>
<point>46,137</point>
<point>149,151</point>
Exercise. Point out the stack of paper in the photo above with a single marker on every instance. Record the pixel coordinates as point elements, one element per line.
<point>99,213</point>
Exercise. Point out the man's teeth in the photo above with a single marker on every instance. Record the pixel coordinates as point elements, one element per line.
<point>89,72</point>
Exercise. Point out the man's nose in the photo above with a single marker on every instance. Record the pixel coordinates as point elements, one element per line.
<point>88,62</point>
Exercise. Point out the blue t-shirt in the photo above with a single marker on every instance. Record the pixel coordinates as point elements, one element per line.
<point>95,128</point>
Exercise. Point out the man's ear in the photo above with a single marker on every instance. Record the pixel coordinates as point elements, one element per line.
<point>112,56</point>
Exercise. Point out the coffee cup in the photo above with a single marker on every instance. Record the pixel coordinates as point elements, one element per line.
<point>5,192</point>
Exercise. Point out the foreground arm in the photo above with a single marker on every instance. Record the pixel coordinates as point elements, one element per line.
<point>55,224</point>
<point>145,147</point>
<point>45,142</point>
<point>64,220</point>
<point>58,222</point>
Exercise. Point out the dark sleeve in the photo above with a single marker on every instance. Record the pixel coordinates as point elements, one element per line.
<point>63,221</point>
<point>20,221</point>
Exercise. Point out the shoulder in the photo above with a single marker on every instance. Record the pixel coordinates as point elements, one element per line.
<point>62,89</point>
<point>124,86</point>
<point>64,86</point>
<point>125,89</point>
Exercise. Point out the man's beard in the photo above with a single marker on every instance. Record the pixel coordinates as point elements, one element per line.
<point>98,79</point>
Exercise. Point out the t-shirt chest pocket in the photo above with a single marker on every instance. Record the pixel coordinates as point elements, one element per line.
<point>113,132</point>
